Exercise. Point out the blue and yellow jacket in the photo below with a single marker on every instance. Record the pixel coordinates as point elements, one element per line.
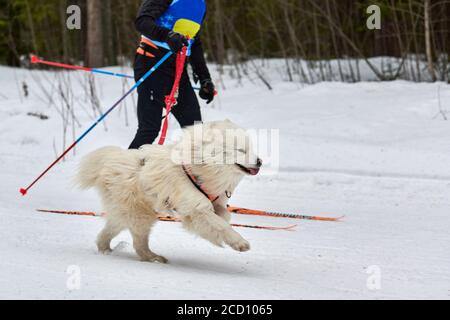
<point>156,18</point>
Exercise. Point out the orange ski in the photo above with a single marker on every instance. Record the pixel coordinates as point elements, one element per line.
<point>288,228</point>
<point>75,213</point>
<point>165,218</point>
<point>239,210</point>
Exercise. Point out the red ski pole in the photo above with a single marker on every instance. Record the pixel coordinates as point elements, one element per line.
<point>36,60</point>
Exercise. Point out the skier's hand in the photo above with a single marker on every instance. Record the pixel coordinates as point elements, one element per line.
<point>176,41</point>
<point>207,90</point>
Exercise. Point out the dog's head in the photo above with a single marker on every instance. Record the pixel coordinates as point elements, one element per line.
<point>220,144</point>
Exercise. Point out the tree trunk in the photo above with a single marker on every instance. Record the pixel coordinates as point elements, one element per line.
<point>64,33</point>
<point>219,33</point>
<point>428,40</point>
<point>31,24</point>
<point>94,50</point>
<point>108,34</point>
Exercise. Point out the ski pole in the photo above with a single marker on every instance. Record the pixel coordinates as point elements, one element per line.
<point>35,60</point>
<point>24,191</point>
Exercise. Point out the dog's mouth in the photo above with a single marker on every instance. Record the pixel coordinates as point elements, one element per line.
<point>250,171</point>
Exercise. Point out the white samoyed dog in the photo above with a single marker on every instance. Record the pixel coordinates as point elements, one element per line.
<point>193,178</point>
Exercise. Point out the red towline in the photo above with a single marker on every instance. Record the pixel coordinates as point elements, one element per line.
<point>164,218</point>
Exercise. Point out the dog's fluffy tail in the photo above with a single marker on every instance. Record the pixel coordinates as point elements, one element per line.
<point>91,166</point>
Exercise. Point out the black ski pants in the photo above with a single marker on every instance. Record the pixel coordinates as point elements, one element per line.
<point>151,100</point>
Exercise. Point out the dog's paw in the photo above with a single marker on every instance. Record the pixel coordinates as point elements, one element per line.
<point>236,241</point>
<point>241,245</point>
<point>154,258</point>
<point>105,251</point>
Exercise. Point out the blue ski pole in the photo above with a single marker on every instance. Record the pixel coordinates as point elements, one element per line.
<point>24,191</point>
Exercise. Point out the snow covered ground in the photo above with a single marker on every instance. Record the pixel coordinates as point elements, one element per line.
<point>377,153</point>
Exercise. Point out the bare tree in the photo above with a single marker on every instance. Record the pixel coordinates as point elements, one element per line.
<point>317,39</point>
<point>427,21</point>
<point>94,49</point>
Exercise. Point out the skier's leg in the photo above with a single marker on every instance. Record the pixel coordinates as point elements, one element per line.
<point>151,96</point>
<point>187,111</point>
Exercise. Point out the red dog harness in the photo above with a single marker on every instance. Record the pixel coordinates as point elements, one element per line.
<point>194,181</point>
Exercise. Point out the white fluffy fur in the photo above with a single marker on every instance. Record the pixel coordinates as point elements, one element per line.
<point>137,184</point>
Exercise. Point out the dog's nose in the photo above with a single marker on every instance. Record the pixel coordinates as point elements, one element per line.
<point>259,163</point>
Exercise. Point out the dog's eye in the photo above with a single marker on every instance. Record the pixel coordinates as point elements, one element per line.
<point>241,150</point>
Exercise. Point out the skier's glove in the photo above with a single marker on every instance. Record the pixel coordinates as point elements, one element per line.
<point>207,90</point>
<point>176,41</point>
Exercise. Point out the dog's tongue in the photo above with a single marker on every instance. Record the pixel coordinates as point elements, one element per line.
<point>253,171</point>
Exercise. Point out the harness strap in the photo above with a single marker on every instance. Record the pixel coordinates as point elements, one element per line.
<point>144,45</point>
<point>159,44</point>
<point>148,42</point>
<point>142,52</point>
<point>197,185</point>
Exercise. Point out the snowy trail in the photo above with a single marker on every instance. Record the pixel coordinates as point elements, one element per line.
<point>368,174</point>
<point>370,151</point>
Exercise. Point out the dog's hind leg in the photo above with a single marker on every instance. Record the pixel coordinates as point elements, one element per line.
<point>140,231</point>
<point>108,233</point>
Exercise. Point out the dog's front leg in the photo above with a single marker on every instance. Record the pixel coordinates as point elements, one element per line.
<point>220,208</point>
<point>202,220</point>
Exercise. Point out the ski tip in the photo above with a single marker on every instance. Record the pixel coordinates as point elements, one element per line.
<point>339,219</point>
<point>23,191</point>
<point>34,59</point>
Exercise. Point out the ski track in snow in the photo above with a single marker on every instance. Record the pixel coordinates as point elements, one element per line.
<point>368,174</point>
<point>374,152</point>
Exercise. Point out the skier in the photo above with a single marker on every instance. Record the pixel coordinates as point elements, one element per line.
<point>167,25</point>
